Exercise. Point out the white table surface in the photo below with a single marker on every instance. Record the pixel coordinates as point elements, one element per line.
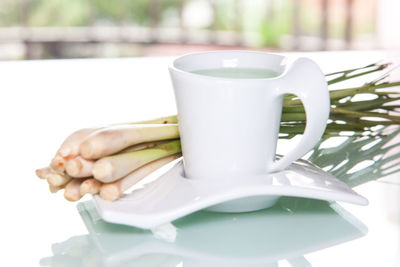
<point>41,102</point>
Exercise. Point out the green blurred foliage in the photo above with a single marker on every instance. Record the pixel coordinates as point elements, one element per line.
<point>78,12</point>
<point>87,12</point>
<point>59,13</point>
<point>122,11</point>
<point>136,12</point>
<point>225,15</point>
<point>9,12</point>
<point>310,19</point>
<point>272,28</point>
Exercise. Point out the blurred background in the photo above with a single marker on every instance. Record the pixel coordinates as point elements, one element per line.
<point>36,29</point>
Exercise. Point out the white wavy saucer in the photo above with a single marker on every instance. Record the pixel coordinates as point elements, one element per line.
<point>173,196</point>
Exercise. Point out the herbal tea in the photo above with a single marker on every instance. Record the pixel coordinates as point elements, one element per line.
<point>238,73</point>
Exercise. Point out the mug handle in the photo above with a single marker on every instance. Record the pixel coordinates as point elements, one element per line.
<point>305,80</point>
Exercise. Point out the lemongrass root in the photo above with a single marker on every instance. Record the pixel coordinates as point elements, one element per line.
<point>72,191</point>
<point>79,167</point>
<point>90,186</point>
<point>42,172</point>
<point>58,163</point>
<point>113,191</point>
<point>112,168</point>
<point>54,189</point>
<point>57,179</point>
<point>108,141</point>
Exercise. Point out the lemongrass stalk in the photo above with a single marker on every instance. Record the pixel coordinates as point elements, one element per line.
<point>79,167</point>
<point>72,191</point>
<point>90,186</point>
<point>163,120</point>
<point>70,146</point>
<point>112,168</point>
<point>114,139</point>
<point>143,146</point>
<point>113,191</point>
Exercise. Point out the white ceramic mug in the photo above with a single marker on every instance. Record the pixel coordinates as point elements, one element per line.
<point>229,126</point>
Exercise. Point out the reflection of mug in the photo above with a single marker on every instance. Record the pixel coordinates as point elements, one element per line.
<point>229,114</point>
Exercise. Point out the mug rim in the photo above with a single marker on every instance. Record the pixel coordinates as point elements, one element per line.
<point>173,65</point>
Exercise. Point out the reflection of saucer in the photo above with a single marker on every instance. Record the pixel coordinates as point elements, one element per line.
<point>290,229</point>
<point>173,196</point>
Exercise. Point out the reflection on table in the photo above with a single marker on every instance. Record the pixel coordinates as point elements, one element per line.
<point>290,229</point>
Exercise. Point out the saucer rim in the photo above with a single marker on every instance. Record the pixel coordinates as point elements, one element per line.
<point>108,213</point>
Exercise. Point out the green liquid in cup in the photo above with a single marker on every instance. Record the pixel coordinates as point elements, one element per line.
<point>238,73</point>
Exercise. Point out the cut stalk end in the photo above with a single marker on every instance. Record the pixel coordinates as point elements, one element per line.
<point>72,190</point>
<point>110,192</point>
<point>103,170</point>
<point>79,167</point>
<point>57,179</point>
<point>90,186</point>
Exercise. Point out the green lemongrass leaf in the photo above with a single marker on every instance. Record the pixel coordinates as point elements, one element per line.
<point>293,109</point>
<point>347,118</point>
<point>367,105</point>
<point>347,74</point>
<point>345,77</point>
<point>294,101</point>
<point>338,94</point>
<point>361,114</point>
<point>376,64</point>
<point>286,117</point>
<point>357,121</point>
<point>387,108</point>
<point>330,127</point>
<point>384,76</point>
<point>344,127</point>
